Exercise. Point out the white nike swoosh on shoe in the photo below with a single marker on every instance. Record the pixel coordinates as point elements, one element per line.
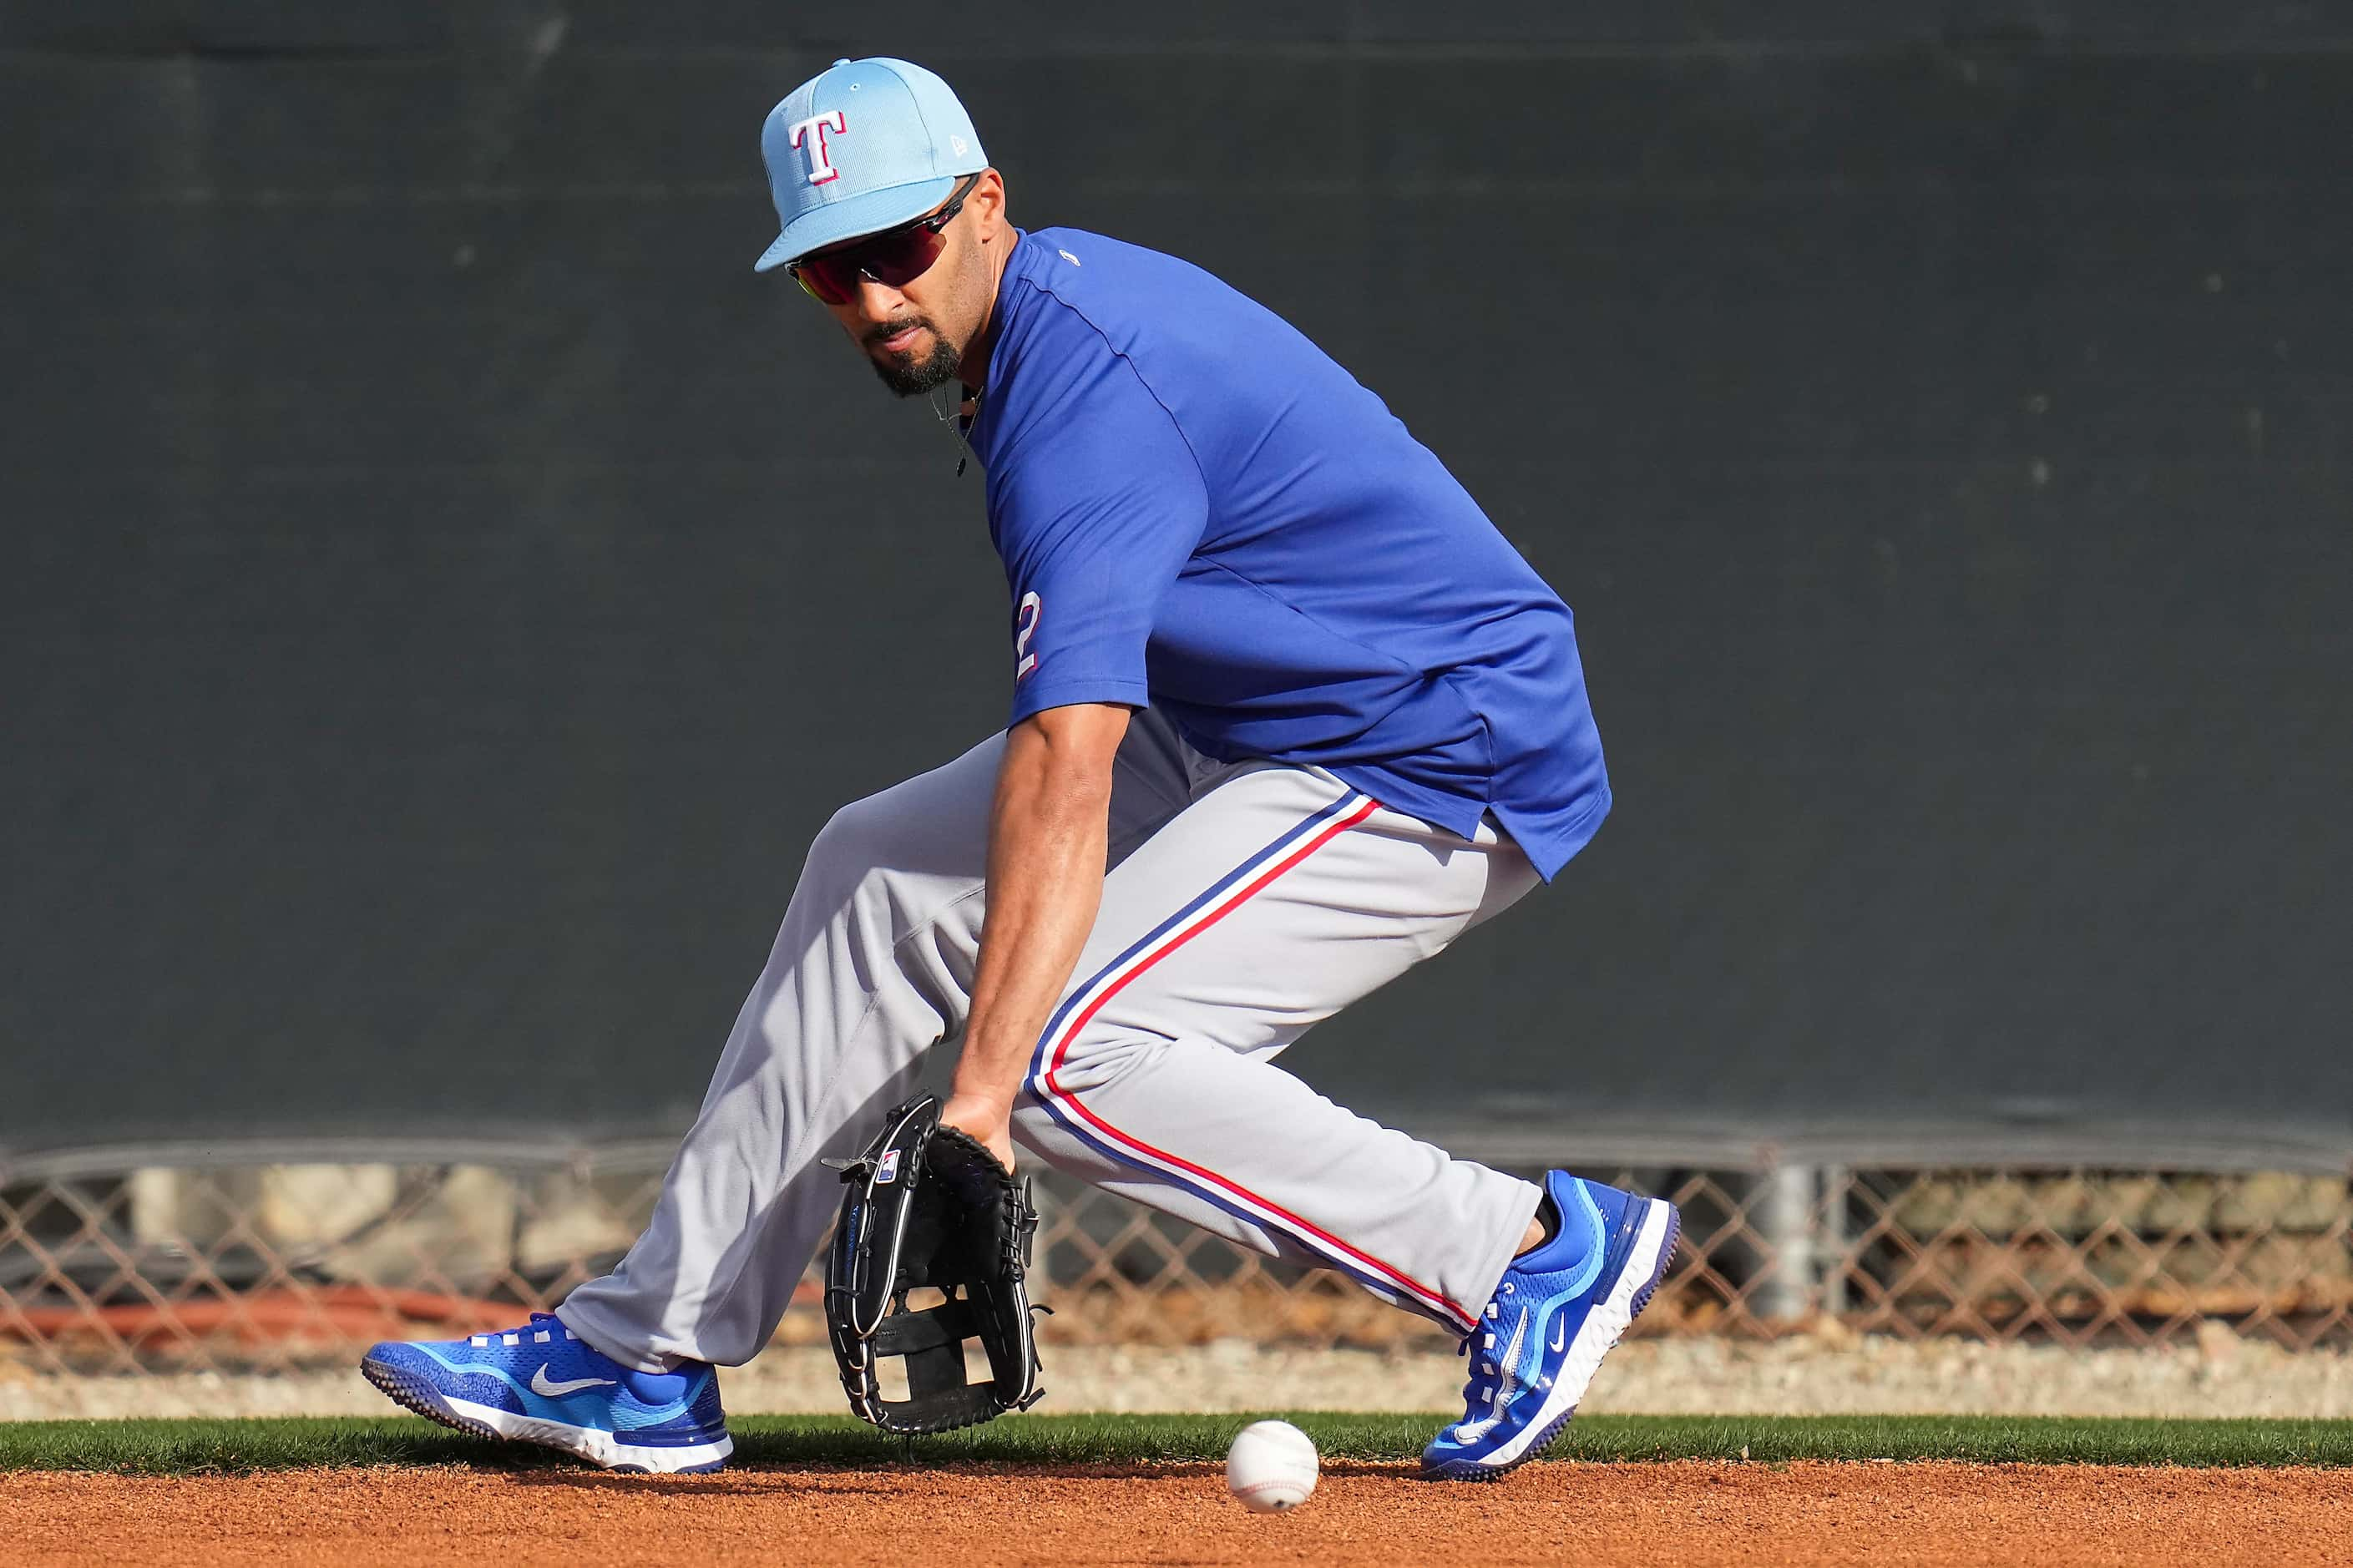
<point>546,1390</point>
<point>1559,1333</point>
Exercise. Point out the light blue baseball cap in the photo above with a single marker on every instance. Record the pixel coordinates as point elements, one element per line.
<point>863,146</point>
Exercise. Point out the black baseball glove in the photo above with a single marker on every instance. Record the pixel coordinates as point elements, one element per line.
<point>928,1206</point>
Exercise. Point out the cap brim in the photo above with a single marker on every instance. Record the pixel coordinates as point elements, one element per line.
<point>869,213</point>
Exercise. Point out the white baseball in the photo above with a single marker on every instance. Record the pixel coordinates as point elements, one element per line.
<point>1271,1467</point>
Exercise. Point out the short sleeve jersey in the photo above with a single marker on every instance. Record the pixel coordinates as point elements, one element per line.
<point>1199,511</point>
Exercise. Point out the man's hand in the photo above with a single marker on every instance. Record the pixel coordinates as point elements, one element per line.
<point>1048,833</point>
<point>988,1120</point>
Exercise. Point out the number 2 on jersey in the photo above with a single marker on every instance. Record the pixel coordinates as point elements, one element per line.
<point>1026,628</point>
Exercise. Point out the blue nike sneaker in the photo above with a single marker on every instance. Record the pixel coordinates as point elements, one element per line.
<point>1555,1313</point>
<point>542,1383</point>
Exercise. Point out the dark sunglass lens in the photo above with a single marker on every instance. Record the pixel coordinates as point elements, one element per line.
<point>900,258</point>
<point>891,259</point>
<point>832,279</point>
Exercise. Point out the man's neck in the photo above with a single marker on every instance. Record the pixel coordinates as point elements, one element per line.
<point>974,371</point>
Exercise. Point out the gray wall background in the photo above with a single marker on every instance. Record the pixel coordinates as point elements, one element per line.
<point>444,589</point>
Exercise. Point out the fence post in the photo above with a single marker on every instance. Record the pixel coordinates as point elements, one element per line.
<point>1785,1221</point>
<point>1830,1258</point>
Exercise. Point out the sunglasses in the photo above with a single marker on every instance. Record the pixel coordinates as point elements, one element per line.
<point>894,257</point>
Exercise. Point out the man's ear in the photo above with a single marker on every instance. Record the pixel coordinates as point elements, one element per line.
<point>987,203</point>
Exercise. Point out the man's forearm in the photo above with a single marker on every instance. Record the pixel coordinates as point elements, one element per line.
<point>1048,840</point>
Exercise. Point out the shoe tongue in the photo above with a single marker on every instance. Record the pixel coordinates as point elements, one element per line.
<point>1582,1230</point>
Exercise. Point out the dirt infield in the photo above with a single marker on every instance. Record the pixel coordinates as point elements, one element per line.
<point>1804,1513</point>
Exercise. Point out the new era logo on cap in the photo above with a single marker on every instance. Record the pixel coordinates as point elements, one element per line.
<point>865,145</point>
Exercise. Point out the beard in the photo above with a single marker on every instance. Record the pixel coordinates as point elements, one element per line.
<point>905,373</point>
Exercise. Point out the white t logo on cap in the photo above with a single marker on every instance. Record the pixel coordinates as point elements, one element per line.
<point>813,131</point>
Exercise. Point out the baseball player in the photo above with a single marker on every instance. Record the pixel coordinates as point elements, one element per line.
<point>1289,716</point>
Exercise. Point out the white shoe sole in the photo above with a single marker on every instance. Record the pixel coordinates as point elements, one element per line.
<point>601,1449</point>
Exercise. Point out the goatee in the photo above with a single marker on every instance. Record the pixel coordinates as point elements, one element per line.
<point>905,374</point>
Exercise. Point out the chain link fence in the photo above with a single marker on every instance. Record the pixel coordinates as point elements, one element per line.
<point>283,1257</point>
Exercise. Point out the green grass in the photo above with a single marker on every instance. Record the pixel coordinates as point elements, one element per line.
<point>191,1447</point>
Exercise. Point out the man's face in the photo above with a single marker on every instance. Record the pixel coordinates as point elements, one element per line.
<point>917,334</point>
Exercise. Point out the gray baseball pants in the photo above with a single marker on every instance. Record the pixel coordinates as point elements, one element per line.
<point>1244,902</point>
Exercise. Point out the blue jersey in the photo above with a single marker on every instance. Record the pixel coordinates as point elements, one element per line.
<point>1201,513</point>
